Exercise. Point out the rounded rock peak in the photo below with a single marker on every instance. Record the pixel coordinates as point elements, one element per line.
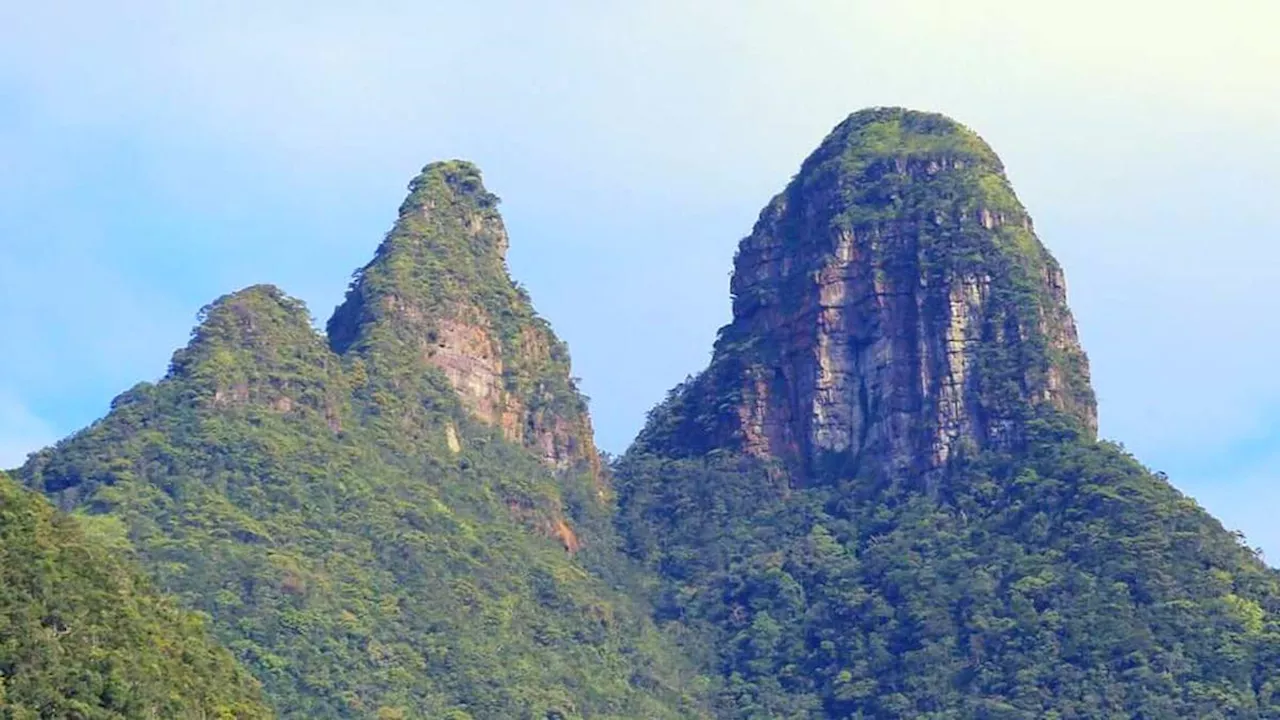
<point>924,121</point>
<point>881,132</point>
<point>892,302</point>
<point>448,181</point>
<point>263,298</point>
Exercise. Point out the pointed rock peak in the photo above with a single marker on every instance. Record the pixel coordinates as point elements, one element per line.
<point>453,190</point>
<point>448,181</point>
<point>446,252</point>
<point>437,295</point>
<point>893,303</point>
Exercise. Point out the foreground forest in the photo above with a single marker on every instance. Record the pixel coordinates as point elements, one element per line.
<point>83,635</point>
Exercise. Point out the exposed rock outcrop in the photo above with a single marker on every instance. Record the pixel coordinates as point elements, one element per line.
<point>893,301</point>
<point>438,294</point>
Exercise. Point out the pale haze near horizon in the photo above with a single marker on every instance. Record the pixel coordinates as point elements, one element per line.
<point>157,155</point>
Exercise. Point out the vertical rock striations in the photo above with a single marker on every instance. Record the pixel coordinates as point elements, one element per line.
<point>893,301</point>
<point>437,294</point>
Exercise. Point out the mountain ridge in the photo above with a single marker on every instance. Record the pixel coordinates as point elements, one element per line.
<point>369,537</point>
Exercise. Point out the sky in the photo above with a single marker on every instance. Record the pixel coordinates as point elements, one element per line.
<point>154,156</point>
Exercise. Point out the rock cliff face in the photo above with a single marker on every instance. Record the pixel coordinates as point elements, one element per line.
<point>893,300</point>
<point>438,294</point>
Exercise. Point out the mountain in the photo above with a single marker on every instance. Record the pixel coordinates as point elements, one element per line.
<point>403,518</point>
<point>884,498</point>
<point>82,634</point>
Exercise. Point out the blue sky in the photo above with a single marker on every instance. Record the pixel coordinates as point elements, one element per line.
<point>156,155</point>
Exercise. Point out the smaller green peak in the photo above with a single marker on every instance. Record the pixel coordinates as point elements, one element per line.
<point>448,181</point>
<point>263,299</point>
<point>251,331</point>
<point>253,316</point>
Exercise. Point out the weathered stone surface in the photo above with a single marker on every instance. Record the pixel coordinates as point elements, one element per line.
<point>438,293</point>
<point>892,301</point>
